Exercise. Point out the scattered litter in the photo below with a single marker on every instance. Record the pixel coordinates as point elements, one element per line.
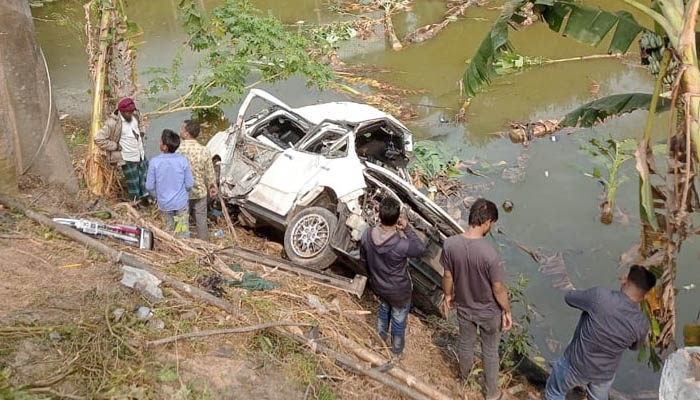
<point>554,138</point>
<point>54,336</point>
<point>251,280</point>
<point>157,324</point>
<point>315,302</point>
<point>143,313</point>
<point>554,346</point>
<point>76,265</point>
<point>546,173</point>
<point>219,233</point>
<point>212,284</point>
<point>689,287</point>
<point>508,206</point>
<point>62,117</point>
<point>516,173</point>
<point>143,281</point>
<point>133,235</point>
<point>118,312</point>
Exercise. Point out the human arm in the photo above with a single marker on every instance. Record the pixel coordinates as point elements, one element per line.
<point>151,179</point>
<point>448,289</point>
<point>102,139</point>
<point>447,279</point>
<point>496,274</point>
<point>584,300</point>
<point>500,292</point>
<point>210,175</point>
<point>416,247</point>
<point>189,179</point>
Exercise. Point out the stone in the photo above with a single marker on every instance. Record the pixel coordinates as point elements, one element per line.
<point>118,312</point>
<point>157,324</point>
<point>143,281</point>
<point>680,378</point>
<point>143,313</point>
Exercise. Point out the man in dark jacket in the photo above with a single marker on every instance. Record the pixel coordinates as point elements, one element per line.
<point>385,253</point>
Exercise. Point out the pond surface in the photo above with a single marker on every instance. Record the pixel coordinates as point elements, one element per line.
<point>556,206</point>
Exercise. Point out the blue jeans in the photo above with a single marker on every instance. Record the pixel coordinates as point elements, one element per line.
<point>398,317</point>
<point>564,378</point>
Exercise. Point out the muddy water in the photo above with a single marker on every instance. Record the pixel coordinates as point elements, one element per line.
<point>556,206</point>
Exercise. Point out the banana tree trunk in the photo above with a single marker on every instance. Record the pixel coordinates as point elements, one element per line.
<point>96,175</point>
<point>691,77</point>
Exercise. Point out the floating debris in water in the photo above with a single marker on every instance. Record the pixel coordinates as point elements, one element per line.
<point>546,173</point>
<point>507,206</point>
<point>516,174</point>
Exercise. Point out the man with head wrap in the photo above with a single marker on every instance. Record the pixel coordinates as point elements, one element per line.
<point>121,138</point>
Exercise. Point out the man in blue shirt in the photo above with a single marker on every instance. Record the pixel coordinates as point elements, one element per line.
<point>168,181</point>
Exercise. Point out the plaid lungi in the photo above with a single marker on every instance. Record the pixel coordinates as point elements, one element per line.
<point>135,178</point>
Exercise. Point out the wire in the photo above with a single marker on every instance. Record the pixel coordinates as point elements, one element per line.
<point>48,118</point>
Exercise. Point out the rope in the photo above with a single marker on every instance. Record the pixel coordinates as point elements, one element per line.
<point>48,118</point>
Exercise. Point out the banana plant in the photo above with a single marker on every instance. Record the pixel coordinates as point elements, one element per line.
<point>674,24</point>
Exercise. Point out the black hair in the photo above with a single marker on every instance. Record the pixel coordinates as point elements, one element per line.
<point>641,277</point>
<point>389,210</point>
<point>482,211</point>
<point>192,127</point>
<point>170,139</point>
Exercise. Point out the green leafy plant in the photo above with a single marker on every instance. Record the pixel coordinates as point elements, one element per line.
<point>584,24</point>
<point>518,342</point>
<point>609,155</point>
<point>236,42</point>
<point>431,163</point>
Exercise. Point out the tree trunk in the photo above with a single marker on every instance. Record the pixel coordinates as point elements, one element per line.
<point>31,138</point>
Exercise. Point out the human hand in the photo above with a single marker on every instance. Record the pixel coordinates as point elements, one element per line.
<point>213,191</point>
<point>450,301</point>
<point>506,321</point>
<point>401,224</point>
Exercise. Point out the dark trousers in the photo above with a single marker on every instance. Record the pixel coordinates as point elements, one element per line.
<point>490,332</point>
<point>198,208</point>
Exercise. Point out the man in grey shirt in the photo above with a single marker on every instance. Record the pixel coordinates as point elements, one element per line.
<point>473,283</point>
<point>610,323</point>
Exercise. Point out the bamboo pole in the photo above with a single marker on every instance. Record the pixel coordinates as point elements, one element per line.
<point>352,364</point>
<point>95,175</point>
<point>396,372</point>
<point>240,329</point>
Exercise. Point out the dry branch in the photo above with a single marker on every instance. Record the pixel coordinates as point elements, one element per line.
<point>242,329</point>
<point>429,31</point>
<point>317,347</point>
<point>396,372</point>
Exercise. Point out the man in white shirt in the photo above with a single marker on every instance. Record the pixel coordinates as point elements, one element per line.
<point>122,140</point>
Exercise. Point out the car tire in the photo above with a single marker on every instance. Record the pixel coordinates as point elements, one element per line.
<point>308,236</point>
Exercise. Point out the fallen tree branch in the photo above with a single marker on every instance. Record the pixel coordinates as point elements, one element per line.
<point>119,256</point>
<point>213,332</point>
<point>396,372</point>
<point>353,364</point>
<point>429,31</point>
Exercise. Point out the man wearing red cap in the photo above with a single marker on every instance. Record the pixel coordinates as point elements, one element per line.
<point>122,140</point>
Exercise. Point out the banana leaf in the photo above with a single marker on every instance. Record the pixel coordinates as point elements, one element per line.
<point>481,69</point>
<point>599,110</point>
<point>584,24</point>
